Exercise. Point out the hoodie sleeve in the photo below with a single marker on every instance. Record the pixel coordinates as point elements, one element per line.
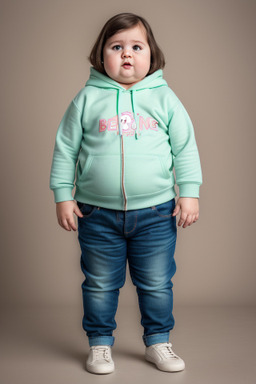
<point>66,150</point>
<point>185,153</point>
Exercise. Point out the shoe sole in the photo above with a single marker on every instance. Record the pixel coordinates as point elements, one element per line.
<point>178,369</point>
<point>98,372</point>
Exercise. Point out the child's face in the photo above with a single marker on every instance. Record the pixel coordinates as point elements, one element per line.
<point>128,46</point>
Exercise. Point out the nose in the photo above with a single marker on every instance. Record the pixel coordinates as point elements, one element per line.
<point>126,52</point>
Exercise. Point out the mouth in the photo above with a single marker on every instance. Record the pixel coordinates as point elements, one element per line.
<point>127,65</point>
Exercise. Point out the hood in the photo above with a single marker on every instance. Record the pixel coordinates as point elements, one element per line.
<point>100,80</point>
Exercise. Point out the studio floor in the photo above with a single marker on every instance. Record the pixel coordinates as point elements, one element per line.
<point>48,346</point>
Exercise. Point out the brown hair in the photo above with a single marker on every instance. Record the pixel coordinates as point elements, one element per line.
<point>120,22</point>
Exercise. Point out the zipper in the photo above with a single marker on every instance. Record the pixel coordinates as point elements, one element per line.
<point>123,189</point>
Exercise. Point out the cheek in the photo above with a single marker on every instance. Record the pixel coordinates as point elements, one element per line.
<point>144,63</point>
<point>110,64</point>
<point>145,59</point>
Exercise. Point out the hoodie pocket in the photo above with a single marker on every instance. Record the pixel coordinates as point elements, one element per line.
<point>101,175</point>
<point>146,174</point>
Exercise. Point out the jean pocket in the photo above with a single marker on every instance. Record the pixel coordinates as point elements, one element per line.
<point>164,210</point>
<point>86,209</point>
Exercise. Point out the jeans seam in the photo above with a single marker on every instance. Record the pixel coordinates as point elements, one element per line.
<point>134,225</point>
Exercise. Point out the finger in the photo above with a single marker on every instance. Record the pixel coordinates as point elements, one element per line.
<point>192,220</point>
<point>187,221</point>
<point>65,225</point>
<point>78,212</point>
<point>72,224</point>
<point>176,210</point>
<point>182,219</point>
<point>60,223</point>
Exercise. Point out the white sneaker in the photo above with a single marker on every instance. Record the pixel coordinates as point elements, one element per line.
<point>100,360</point>
<point>164,358</point>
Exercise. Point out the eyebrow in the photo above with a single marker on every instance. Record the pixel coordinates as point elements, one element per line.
<point>121,41</point>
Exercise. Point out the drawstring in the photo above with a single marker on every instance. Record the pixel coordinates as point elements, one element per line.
<point>117,107</point>
<point>133,110</point>
<point>135,115</point>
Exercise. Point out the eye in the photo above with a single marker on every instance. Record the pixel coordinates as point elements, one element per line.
<point>116,47</point>
<point>136,48</point>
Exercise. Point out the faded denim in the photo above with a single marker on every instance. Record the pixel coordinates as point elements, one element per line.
<point>146,238</point>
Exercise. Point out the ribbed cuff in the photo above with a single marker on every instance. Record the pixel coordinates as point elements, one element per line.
<point>189,190</point>
<point>62,194</point>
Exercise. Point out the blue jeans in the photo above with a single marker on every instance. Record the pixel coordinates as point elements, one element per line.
<point>147,239</point>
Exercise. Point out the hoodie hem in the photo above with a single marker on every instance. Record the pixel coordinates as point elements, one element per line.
<point>133,202</point>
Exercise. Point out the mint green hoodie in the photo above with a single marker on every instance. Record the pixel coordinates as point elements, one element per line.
<point>118,147</point>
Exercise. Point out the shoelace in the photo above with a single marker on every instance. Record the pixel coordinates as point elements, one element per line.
<point>101,353</point>
<point>167,351</point>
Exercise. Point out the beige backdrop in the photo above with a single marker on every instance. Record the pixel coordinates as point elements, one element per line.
<point>210,54</point>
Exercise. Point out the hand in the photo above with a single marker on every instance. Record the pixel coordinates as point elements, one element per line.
<point>65,210</point>
<point>189,207</point>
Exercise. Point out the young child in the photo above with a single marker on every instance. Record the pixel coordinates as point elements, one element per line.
<point>125,131</point>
